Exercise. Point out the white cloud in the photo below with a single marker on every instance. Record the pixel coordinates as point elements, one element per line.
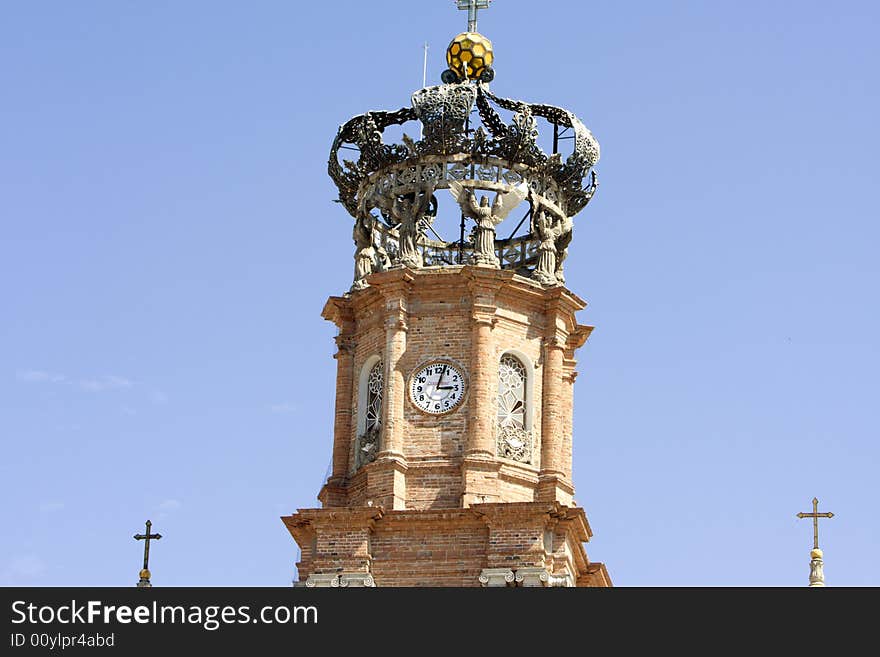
<point>49,507</point>
<point>25,568</point>
<point>167,507</point>
<point>283,407</point>
<point>39,376</point>
<point>108,382</point>
<point>94,384</point>
<point>170,505</point>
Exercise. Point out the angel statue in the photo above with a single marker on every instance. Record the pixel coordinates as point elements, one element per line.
<point>564,238</point>
<point>549,226</point>
<point>486,217</point>
<point>561,245</point>
<point>409,214</point>
<point>365,253</point>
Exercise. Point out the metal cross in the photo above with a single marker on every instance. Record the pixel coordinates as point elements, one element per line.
<point>815,515</point>
<point>146,538</point>
<point>472,6</point>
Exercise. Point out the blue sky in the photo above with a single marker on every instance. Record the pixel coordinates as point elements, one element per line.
<point>161,349</point>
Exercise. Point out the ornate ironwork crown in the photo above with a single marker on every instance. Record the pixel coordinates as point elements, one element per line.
<point>464,145</point>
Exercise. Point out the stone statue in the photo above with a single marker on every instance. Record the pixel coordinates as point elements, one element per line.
<point>548,227</point>
<point>486,217</point>
<point>408,214</point>
<point>368,445</point>
<point>365,253</point>
<point>561,245</point>
<point>564,239</point>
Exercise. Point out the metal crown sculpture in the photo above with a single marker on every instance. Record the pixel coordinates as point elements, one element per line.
<point>465,146</point>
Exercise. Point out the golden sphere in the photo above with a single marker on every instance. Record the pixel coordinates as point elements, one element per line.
<point>816,554</point>
<point>469,54</point>
<point>145,574</point>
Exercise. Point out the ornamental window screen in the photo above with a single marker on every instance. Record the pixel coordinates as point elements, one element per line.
<point>374,396</point>
<point>514,439</point>
<point>511,393</point>
<point>367,443</point>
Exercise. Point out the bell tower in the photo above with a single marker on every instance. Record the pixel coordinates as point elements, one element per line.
<point>456,353</point>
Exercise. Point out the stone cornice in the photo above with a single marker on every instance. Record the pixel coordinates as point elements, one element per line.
<point>338,311</point>
<point>393,281</point>
<point>303,524</point>
<point>487,287</point>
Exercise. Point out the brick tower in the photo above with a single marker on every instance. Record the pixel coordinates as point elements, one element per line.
<point>455,363</point>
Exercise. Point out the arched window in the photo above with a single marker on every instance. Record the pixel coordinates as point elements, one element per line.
<point>369,412</point>
<point>514,435</point>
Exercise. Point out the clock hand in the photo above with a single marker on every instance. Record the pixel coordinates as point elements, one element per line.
<point>440,380</point>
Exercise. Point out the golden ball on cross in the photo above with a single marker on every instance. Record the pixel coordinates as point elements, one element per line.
<point>469,55</point>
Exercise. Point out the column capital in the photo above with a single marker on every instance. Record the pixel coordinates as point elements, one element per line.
<point>396,321</point>
<point>345,345</point>
<point>556,340</point>
<point>484,318</point>
<point>496,577</point>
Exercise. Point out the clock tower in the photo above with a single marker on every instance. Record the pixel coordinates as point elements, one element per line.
<point>456,353</point>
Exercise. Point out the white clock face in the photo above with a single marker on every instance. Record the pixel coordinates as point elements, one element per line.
<point>437,388</point>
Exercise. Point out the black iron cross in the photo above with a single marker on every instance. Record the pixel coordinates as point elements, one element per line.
<point>146,538</point>
<point>472,6</point>
<point>815,515</point>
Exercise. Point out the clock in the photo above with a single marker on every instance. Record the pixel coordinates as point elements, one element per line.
<point>437,388</point>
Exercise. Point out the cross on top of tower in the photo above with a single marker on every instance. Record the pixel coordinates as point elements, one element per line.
<point>144,582</point>
<point>472,6</point>
<point>815,515</point>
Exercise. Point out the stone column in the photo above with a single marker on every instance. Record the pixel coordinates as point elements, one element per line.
<point>569,375</point>
<point>482,412</point>
<point>338,311</point>
<point>386,476</point>
<point>479,466</point>
<point>395,383</point>
<point>552,484</point>
<point>346,390</point>
<point>551,410</point>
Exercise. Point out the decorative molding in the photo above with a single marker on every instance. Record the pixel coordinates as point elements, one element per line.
<point>496,577</point>
<point>356,580</point>
<point>566,581</point>
<point>532,577</point>
<point>340,580</point>
<point>817,574</point>
<point>345,345</point>
<point>322,580</point>
<point>514,443</point>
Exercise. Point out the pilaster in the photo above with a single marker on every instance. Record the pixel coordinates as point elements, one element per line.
<point>338,311</point>
<point>387,474</point>
<point>480,466</point>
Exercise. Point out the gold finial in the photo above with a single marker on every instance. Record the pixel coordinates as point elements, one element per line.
<point>470,57</point>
